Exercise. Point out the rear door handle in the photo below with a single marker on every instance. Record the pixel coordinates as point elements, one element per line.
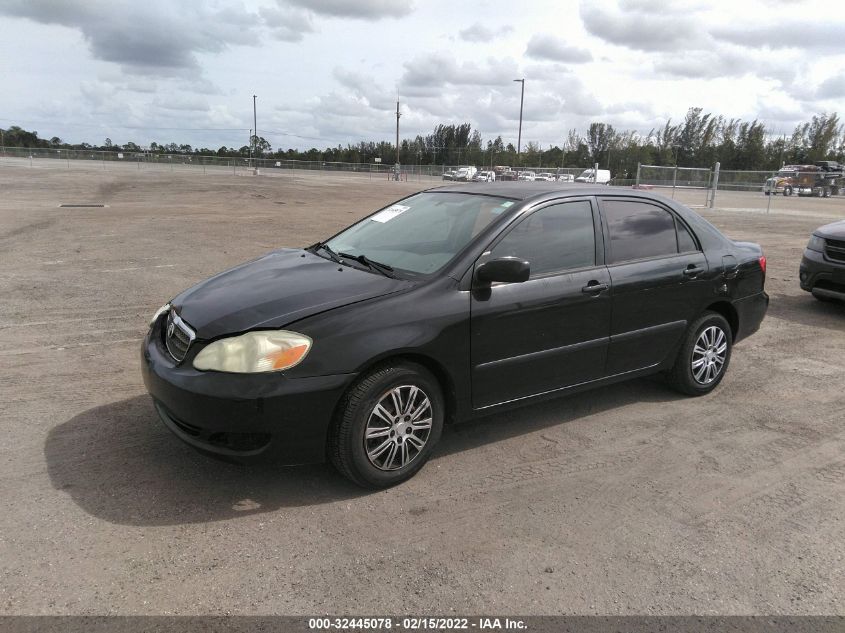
<point>594,287</point>
<point>692,271</point>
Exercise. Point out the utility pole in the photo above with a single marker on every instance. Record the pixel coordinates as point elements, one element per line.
<point>255,136</point>
<point>521,101</point>
<point>397,141</point>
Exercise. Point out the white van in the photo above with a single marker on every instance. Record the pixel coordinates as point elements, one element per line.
<point>588,175</point>
<point>465,173</point>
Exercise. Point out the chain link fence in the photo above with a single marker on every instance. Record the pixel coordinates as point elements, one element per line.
<point>810,191</point>
<point>691,185</point>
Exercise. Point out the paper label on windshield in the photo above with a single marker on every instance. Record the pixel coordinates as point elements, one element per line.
<point>389,213</point>
<point>502,207</point>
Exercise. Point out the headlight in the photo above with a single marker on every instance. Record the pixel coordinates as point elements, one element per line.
<point>816,243</point>
<point>159,312</point>
<point>267,350</point>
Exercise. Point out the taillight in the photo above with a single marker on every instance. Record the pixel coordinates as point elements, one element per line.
<point>763,263</point>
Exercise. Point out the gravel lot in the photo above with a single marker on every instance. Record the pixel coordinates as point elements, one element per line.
<point>625,500</point>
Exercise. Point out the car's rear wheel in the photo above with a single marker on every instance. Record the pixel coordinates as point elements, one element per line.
<point>704,356</point>
<point>787,191</point>
<point>387,425</point>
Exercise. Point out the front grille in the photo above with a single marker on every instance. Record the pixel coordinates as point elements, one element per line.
<point>178,336</point>
<point>835,249</point>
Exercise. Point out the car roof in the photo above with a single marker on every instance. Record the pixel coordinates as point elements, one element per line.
<point>530,190</point>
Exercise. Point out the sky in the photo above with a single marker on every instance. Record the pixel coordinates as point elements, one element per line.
<point>329,72</point>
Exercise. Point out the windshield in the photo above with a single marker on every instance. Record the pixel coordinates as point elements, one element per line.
<point>422,233</point>
<point>786,172</point>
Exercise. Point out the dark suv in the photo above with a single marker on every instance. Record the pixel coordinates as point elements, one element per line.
<point>822,269</point>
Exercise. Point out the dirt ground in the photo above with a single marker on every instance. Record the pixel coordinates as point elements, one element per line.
<point>625,500</point>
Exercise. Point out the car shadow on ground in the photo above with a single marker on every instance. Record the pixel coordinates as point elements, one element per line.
<point>804,309</point>
<point>120,464</point>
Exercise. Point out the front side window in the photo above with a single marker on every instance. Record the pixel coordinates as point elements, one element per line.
<point>639,230</point>
<point>420,234</point>
<point>555,238</point>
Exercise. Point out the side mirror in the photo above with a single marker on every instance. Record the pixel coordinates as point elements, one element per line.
<point>506,269</point>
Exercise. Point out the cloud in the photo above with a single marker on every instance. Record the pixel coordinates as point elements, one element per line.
<point>480,33</point>
<point>551,48</point>
<point>184,102</point>
<point>147,37</point>
<point>428,74</point>
<point>724,62</point>
<point>357,9</point>
<point>826,34</point>
<point>832,88</point>
<point>288,25</point>
<point>365,87</point>
<point>643,31</point>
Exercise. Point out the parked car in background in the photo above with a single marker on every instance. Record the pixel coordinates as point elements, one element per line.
<point>465,173</point>
<point>822,270</point>
<point>590,176</point>
<point>449,175</point>
<point>529,176</point>
<point>442,307</point>
<point>545,177</point>
<point>565,178</point>
<point>507,175</point>
<point>484,176</point>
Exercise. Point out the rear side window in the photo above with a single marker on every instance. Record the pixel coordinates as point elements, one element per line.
<point>685,241</point>
<point>639,230</point>
<point>555,238</point>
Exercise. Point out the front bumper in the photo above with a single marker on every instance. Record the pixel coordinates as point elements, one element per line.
<point>822,276</point>
<point>242,415</point>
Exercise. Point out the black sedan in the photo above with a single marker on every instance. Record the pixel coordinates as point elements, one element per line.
<point>449,304</point>
<point>822,270</point>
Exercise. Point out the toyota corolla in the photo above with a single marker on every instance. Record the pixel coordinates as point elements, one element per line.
<point>447,305</point>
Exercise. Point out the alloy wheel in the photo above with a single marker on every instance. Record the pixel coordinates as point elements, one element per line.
<point>398,427</point>
<point>708,355</point>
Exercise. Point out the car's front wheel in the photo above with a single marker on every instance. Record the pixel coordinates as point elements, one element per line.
<point>704,356</point>
<point>387,425</point>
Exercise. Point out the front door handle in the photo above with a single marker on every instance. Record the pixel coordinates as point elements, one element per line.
<point>692,270</point>
<point>594,287</point>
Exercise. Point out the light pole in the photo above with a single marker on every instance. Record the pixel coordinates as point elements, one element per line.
<point>255,136</point>
<point>521,101</point>
<point>396,169</point>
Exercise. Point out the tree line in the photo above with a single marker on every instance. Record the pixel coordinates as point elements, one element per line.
<point>700,140</point>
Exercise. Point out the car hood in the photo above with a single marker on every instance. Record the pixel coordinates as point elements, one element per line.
<point>833,231</point>
<point>275,290</point>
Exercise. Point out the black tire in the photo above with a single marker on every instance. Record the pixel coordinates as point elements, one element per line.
<point>826,192</point>
<point>347,447</point>
<point>681,377</point>
<point>787,191</point>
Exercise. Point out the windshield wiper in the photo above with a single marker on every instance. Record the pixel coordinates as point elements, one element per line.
<point>332,255</point>
<point>384,269</point>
